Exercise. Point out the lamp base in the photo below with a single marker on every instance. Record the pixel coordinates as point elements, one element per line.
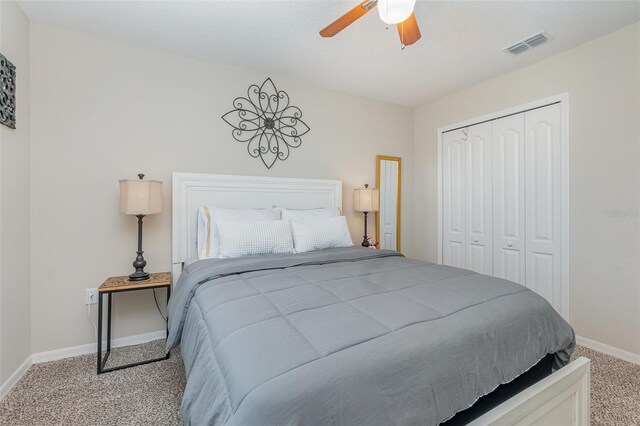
<point>365,241</point>
<point>139,263</point>
<point>139,276</point>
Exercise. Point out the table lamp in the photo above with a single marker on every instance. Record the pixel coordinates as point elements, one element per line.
<point>366,200</point>
<point>140,198</point>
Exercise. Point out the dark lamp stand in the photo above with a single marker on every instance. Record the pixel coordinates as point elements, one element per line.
<point>365,241</point>
<point>139,263</point>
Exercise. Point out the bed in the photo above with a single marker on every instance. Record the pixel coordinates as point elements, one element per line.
<point>354,335</point>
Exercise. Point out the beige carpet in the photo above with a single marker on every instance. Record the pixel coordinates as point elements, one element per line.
<point>69,392</point>
<point>615,389</point>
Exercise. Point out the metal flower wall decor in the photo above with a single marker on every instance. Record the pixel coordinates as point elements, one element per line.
<point>267,122</point>
<point>7,93</point>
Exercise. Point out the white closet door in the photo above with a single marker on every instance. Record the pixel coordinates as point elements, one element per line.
<point>543,168</point>
<point>509,198</point>
<point>453,217</point>
<point>478,200</point>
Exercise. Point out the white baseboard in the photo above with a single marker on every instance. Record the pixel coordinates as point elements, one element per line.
<point>608,350</point>
<point>90,348</point>
<point>6,387</point>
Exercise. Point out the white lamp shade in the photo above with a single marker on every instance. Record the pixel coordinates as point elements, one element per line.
<point>395,11</point>
<point>366,200</point>
<point>140,197</point>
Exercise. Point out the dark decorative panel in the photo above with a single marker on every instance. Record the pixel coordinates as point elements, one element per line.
<point>8,94</point>
<point>267,122</point>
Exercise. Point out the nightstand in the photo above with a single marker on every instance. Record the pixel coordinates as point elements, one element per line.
<point>119,285</point>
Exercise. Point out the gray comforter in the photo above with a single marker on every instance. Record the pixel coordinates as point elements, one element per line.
<point>351,336</point>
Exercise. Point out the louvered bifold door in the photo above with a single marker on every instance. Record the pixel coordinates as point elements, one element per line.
<point>509,198</point>
<point>478,199</point>
<point>543,168</point>
<point>453,202</point>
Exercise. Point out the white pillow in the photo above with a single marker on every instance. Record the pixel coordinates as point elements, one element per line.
<point>255,237</point>
<point>321,234</point>
<point>208,241</point>
<point>310,214</point>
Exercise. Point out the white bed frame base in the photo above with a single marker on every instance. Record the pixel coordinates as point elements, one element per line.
<point>561,399</point>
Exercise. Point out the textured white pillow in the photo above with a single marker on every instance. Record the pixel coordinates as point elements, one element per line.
<point>255,237</point>
<point>208,240</point>
<point>321,234</point>
<point>310,214</point>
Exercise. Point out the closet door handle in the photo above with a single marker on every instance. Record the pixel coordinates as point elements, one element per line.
<point>475,240</point>
<point>510,244</point>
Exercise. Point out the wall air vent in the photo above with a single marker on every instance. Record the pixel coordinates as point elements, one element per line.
<point>530,42</point>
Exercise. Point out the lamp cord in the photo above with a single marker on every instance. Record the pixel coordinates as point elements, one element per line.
<point>95,327</point>
<point>157,305</point>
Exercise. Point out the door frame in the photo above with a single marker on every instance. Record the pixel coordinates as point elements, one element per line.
<point>563,100</point>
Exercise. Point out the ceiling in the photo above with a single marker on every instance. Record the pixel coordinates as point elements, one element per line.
<point>461,43</point>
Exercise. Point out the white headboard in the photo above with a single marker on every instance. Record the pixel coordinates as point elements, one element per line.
<point>191,191</point>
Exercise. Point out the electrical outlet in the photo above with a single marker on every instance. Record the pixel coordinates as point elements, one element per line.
<point>91,296</point>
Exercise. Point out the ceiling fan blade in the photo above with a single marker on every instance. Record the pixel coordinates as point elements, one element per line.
<point>408,31</point>
<point>348,18</point>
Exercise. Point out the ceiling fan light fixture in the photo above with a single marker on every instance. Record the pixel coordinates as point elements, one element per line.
<point>395,11</point>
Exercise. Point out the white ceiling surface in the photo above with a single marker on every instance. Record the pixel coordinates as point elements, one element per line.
<point>461,43</point>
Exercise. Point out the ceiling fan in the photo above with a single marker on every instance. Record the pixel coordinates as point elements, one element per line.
<point>392,12</point>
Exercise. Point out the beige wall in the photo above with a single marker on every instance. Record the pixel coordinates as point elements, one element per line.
<point>602,78</point>
<point>102,111</point>
<point>15,313</point>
